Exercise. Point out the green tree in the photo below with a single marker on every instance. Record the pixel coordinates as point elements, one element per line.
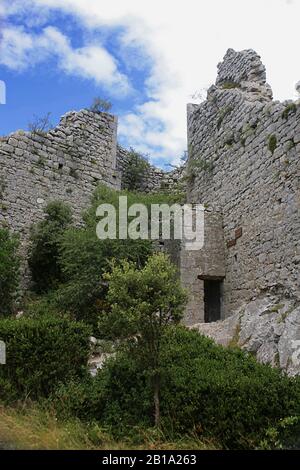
<point>84,258</point>
<point>145,303</point>
<point>79,258</point>
<point>44,252</point>
<point>9,270</point>
<point>135,171</point>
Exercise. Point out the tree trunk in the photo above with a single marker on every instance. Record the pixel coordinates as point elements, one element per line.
<point>156,401</point>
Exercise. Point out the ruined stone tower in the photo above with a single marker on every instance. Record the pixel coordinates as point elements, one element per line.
<point>243,165</point>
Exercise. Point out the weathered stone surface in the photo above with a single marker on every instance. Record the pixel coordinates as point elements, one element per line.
<point>289,343</point>
<point>244,164</point>
<point>42,166</point>
<point>268,327</point>
<point>208,262</point>
<point>154,178</point>
<point>244,70</point>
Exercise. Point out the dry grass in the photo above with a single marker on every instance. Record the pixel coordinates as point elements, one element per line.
<point>33,428</point>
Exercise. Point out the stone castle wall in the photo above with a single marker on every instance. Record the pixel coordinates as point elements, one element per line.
<point>66,164</point>
<point>244,152</point>
<point>208,263</point>
<point>154,179</point>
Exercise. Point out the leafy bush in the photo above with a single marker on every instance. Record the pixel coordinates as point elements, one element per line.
<point>45,239</point>
<point>284,435</point>
<point>225,393</point>
<point>76,399</point>
<point>71,261</point>
<point>119,396</point>
<point>206,389</point>
<point>84,258</point>
<point>9,271</point>
<point>7,391</point>
<point>42,352</point>
<point>135,171</point>
<point>68,262</point>
<point>44,306</point>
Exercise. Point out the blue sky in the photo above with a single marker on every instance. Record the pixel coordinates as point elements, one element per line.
<point>147,57</point>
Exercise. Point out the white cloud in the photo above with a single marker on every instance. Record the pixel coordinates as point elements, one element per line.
<point>20,50</point>
<point>14,47</point>
<point>92,62</point>
<point>184,41</point>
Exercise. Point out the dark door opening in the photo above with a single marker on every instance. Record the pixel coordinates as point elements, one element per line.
<point>212,301</point>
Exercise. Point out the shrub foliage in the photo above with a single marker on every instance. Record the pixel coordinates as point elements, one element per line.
<point>9,271</point>
<point>45,239</point>
<point>41,353</point>
<point>206,389</point>
<point>135,171</point>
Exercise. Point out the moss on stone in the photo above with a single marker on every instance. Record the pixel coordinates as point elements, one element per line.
<point>41,161</point>
<point>277,360</point>
<point>223,112</point>
<point>276,308</point>
<point>291,144</point>
<point>234,342</point>
<point>230,85</point>
<point>291,108</point>
<point>272,143</point>
<point>73,173</point>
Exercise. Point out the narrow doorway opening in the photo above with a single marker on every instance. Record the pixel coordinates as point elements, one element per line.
<point>212,300</point>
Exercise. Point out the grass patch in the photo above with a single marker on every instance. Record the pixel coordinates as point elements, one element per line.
<point>291,108</point>
<point>35,429</point>
<point>234,343</point>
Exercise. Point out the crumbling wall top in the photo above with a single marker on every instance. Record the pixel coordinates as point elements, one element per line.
<point>244,70</point>
<point>242,66</point>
